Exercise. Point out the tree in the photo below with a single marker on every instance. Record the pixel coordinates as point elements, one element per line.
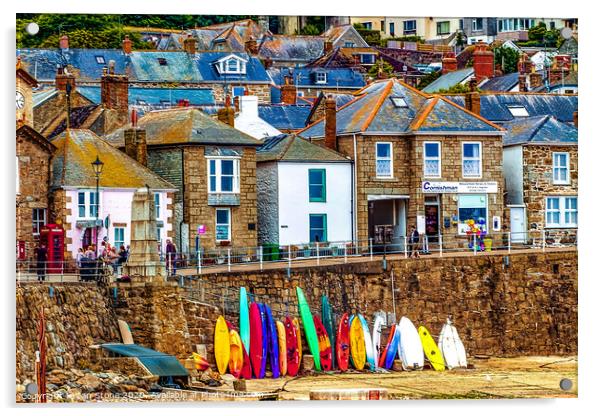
<point>310,30</point>
<point>507,58</point>
<point>428,78</point>
<point>381,66</point>
<point>456,89</point>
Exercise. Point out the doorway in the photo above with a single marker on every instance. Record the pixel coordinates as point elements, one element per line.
<point>431,216</point>
<point>517,224</point>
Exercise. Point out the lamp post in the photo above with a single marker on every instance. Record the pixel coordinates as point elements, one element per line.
<point>97,165</point>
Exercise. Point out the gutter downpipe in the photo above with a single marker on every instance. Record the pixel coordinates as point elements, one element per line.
<point>183,193</point>
<point>354,196</point>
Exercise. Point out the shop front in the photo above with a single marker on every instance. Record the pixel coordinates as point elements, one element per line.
<point>387,219</point>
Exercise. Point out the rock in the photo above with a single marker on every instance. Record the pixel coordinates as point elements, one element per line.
<point>90,382</point>
<point>20,388</point>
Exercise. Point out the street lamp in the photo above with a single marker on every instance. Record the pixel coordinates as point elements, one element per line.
<point>97,165</point>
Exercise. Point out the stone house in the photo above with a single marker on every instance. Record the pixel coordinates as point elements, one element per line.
<point>33,153</point>
<point>304,192</point>
<point>213,166</point>
<point>541,174</point>
<point>420,160</point>
<point>88,217</point>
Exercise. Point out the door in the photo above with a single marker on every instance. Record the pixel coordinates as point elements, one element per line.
<point>517,225</point>
<point>431,218</point>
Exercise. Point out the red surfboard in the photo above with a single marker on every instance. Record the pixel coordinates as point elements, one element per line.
<point>324,344</point>
<point>246,372</point>
<point>256,347</point>
<point>383,354</point>
<point>293,360</point>
<point>342,347</point>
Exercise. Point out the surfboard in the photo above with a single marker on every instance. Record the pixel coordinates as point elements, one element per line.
<point>392,350</point>
<point>265,340</point>
<point>370,360</point>
<point>221,345</point>
<point>299,342</point>
<point>309,327</point>
<point>452,347</point>
<point>273,347</point>
<point>199,362</point>
<point>382,358</point>
<point>255,352</point>
<point>247,372</point>
<point>235,363</point>
<point>342,343</point>
<point>126,333</point>
<point>432,352</point>
<point>324,344</point>
<point>328,321</point>
<point>357,343</point>
<point>379,321</point>
<point>292,347</point>
<point>410,347</point>
<point>243,319</point>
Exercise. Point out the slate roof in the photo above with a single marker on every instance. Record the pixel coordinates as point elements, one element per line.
<point>156,96</point>
<point>571,80</point>
<point>304,77</point>
<point>335,33</point>
<point>78,117</point>
<point>285,117</point>
<point>255,70</point>
<point>539,130</point>
<point>494,107</point>
<point>146,66</point>
<point>502,83</point>
<point>292,148</point>
<point>72,164</point>
<point>373,111</point>
<point>448,80</point>
<point>296,48</point>
<point>185,126</point>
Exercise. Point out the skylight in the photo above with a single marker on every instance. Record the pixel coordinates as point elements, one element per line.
<point>518,110</point>
<point>100,59</point>
<point>399,102</point>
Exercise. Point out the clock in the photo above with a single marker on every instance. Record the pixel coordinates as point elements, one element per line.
<point>20,101</point>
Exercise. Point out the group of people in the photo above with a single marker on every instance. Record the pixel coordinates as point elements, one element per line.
<point>108,255</point>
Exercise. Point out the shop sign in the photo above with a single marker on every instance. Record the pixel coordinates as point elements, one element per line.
<point>429,187</point>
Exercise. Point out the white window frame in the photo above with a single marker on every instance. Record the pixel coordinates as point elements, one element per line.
<point>241,65</point>
<point>480,159</point>
<point>88,204</point>
<point>321,77</point>
<point>562,211</point>
<point>556,180</point>
<point>40,222</point>
<point>377,158</point>
<point>115,241</point>
<point>426,158</point>
<point>474,25</point>
<point>218,175</point>
<point>409,26</point>
<point>100,59</point>
<point>229,224</point>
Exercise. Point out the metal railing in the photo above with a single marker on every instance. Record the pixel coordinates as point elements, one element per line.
<point>67,271</point>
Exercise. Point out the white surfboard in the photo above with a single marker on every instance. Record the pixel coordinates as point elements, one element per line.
<point>368,341</point>
<point>452,347</point>
<point>409,348</point>
<point>379,321</point>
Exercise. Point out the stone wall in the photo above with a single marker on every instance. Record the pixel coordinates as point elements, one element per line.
<point>261,91</point>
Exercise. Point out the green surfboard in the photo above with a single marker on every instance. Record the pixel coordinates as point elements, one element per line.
<point>243,320</point>
<point>310,330</point>
<point>327,320</point>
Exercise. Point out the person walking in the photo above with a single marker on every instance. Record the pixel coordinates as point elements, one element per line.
<point>79,256</point>
<point>171,253</point>
<point>414,240</point>
<point>42,259</point>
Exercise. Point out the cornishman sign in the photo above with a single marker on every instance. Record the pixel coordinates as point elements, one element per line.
<point>429,187</point>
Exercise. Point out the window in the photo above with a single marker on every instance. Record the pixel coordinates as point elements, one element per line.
<point>317,185</point>
<point>518,111</point>
<point>222,224</point>
<point>477,24</point>
<point>87,206</point>
<point>38,219</point>
<point>224,175</point>
<point>561,211</point>
<point>93,204</point>
<point>232,66</point>
<point>560,168</point>
<point>100,59</point>
<point>367,58</point>
<point>399,102</point>
<point>162,61</point>
<point>471,159</point>
<point>409,27</point>
<point>514,24</point>
<point>320,77</point>
<point>349,44</point>
<point>238,91</point>
<point>317,228</point>
<point>384,160</point>
<point>300,94</point>
<point>443,28</point>
<point>432,159</point>
<point>119,240</point>
<point>472,207</point>
<point>552,25</point>
<point>81,204</point>
<point>367,25</point>
<point>382,25</point>
<point>392,29</point>
<point>157,204</point>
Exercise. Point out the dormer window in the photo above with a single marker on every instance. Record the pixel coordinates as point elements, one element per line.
<point>232,64</point>
<point>100,60</point>
<point>320,77</point>
<point>399,102</point>
<point>518,111</point>
<point>162,61</point>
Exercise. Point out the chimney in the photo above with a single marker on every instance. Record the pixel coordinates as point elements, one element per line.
<point>135,141</point>
<point>327,46</point>
<point>114,90</point>
<point>330,120</point>
<point>575,120</point>
<point>226,114</point>
<point>472,99</point>
<point>535,80</point>
<point>522,82</point>
<point>64,43</point>
<point>525,65</point>
<point>450,63</point>
<point>268,63</point>
<point>127,45</point>
<point>190,45</point>
<point>288,92</point>
<point>249,106</point>
<point>251,46</point>
<point>482,62</point>
<point>63,78</point>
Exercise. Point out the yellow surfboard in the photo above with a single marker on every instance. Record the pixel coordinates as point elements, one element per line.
<point>357,343</point>
<point>432,352</point>
<point>298,327</point>
<point>221,345</point>
<point>236,358</point>
<point>282,347</point>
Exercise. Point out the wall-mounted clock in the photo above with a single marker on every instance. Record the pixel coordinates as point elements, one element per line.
<point>20,101</point>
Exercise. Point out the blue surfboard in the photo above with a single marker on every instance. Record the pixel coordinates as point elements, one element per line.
<point>273,349</point>
<point>264,349</point>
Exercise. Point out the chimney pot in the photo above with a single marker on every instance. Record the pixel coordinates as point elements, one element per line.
<point>450,63</point>
<point>327,46</point>
<point>190,45</point>
<point>127,45</point>
<point>482,62</point>
<point>63,79</point>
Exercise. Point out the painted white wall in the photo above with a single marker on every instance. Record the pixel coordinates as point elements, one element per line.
<point>248,120</point>
<point>117,203</point>
<point>513,173</point>
<point>294,206</point>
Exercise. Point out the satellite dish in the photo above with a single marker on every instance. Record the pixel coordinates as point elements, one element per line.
<point>32,28</point>
<point>566,32</point>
